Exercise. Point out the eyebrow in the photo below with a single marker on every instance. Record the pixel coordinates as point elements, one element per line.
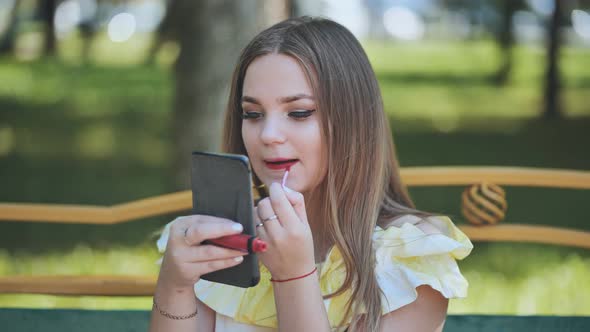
<point>282,100</point>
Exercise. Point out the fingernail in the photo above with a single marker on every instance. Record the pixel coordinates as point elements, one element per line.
<point>289,190</point>
<point>238,258</point>
<point>237,227</point>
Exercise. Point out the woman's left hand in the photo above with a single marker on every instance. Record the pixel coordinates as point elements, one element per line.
<point>290,251</point>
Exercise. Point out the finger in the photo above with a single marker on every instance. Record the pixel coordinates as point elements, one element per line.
<point>271,227</point>
<point>219,264</point>
<point>297,201</point>
<point>282,206</point>
<point>195,229</point>
<point>208,252</point>
<point>258,226</point>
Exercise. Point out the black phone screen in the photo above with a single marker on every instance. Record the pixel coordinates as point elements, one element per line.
<point>222,187</point>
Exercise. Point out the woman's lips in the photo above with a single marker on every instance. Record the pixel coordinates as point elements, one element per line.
<point>277,164</point>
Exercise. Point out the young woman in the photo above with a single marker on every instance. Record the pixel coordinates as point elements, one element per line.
<point>346,248</point>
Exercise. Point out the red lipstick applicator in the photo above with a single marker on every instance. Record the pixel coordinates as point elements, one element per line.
<point>242,242</point>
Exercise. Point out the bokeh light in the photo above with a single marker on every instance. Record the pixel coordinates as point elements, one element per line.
<point>527,26</point>
<point>542,7</point>
<point>148,15</point>
<point>122,27</point>
<point>67,17</point>
<point>581,23</point>
<point>403,23</point>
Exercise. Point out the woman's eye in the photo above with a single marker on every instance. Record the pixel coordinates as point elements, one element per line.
<point>251,115</point>
<point>301,114</point>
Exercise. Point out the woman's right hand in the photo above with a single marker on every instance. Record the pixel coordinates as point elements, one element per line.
<point>186,259</point>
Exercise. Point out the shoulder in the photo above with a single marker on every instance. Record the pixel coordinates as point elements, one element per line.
<point>426,313</point>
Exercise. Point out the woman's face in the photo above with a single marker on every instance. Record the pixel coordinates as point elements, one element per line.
<point>281,127</point>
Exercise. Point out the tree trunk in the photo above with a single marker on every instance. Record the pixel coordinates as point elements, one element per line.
<point>276,11</point>
<point>211,34</point>
<point>552,77</point>
<point>7,40</point>
<point>165,32</point>
<point>48,14</point>
<point>506,41</point>
<point>88,28</point>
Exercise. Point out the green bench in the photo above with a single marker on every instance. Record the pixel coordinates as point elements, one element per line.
<point>60,320</point>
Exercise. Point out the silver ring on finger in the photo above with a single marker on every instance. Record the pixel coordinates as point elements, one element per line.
<point>273,217</point>
<point>260,224</point>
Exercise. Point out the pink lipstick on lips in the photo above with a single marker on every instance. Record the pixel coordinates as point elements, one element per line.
<point>280,163</point>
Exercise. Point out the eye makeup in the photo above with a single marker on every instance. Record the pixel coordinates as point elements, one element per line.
<point>301,114</point>
<point>297,115</point>
<point>251,115</point>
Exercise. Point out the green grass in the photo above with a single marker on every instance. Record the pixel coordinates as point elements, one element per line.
<point>81,260</point>
<point>526,279</point>
<point>444,82</point>
<point>98,133</point>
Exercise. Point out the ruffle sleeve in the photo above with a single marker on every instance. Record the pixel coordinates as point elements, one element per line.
<point>408,257</point>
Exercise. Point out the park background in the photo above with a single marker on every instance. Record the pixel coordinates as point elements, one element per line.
<point>101,103</point>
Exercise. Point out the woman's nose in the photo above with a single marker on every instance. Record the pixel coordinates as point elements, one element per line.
<point>272,130</point>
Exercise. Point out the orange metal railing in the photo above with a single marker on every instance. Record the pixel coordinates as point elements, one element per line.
<point>181,201</point>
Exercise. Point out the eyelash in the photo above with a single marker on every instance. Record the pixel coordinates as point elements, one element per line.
<point>297,115</point>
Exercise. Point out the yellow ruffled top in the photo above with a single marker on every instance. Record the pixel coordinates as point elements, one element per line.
<point>406,257</point>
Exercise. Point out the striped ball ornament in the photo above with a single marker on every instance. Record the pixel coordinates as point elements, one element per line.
<point>484,204</point>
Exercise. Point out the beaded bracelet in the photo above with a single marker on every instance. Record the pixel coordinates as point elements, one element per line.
<point>171,316</point>
<point>300,277</point>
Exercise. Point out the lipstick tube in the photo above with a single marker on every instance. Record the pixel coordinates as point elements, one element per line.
<point>242,242</point>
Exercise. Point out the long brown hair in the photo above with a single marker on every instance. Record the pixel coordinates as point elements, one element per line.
<point>362,187</point>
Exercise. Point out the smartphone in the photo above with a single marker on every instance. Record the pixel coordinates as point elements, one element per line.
<point>222,187</point>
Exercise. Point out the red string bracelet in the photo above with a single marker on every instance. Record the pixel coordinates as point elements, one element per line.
<point>300,277</point>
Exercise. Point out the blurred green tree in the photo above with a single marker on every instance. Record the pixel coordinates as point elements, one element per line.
<point>165,32</point>
<point>47,13</point>
<point>553,106</point>
<point>504,35</point>
<point>210,34</point>
<point>8,38</point>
